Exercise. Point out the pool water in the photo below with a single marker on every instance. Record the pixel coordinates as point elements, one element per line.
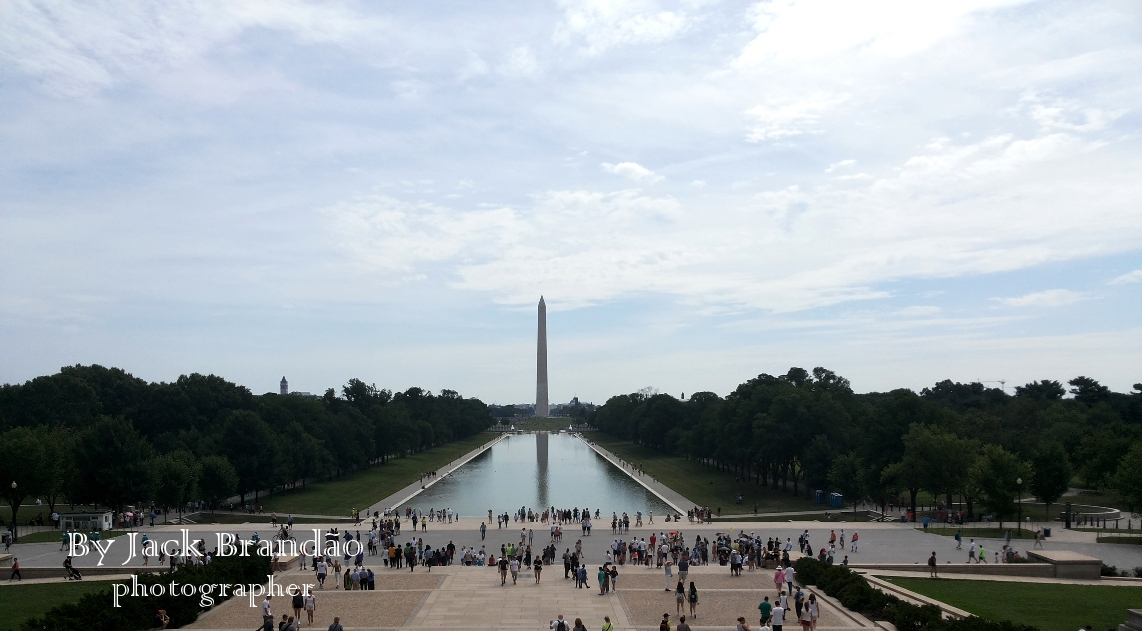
<point>538,471</point>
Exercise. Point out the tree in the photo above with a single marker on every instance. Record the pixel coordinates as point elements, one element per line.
<point>21,468</point>
<point>111,461</point>
<point>847,475</point>
<point>252,448</point>
<point>996,474</point>
<point>1052,474</point>
<point>219,480</point>
<point>1127,480</point>
<point>1045,390</point>
<point>175,478</point>
<point>1088,391</point>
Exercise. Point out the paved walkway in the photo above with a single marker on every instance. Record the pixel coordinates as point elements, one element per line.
<point>472,598</point>
<point>665,493</point>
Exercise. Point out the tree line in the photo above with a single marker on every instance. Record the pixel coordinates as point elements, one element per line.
<point>96,435</point>
<point>965,444</point>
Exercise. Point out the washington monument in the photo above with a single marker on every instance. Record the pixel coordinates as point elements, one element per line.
<point>541,409</point>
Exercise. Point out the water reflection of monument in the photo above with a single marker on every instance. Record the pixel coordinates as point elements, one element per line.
<point>541,469</point>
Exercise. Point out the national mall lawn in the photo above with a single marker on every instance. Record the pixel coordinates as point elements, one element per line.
<point>21,602</point>
<point>707,485</point>
<point>1044,605</point>
<point>363,489</point>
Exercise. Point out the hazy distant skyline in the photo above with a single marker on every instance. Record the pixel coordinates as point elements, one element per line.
<point>703,191</point>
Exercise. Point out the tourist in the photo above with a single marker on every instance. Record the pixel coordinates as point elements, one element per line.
<point>682,626</point>
<point>483,528</point>
<point>614,576</point>
<point>267,614</point>
<point>336,574</point>
<point>664,625</point>
<point>778,577</point>
<point>503,571</point>
<point>538,568</point>
<point>932,565</point>
<point>669,574</point>
<point>298,605</point>
<point>284,623</point>
<point>607,626</point>
<point>162,619</point>
<point>766,609</point>
<point>856,538</point>
<point>814,609</point>
<point>310,606</point>
<point>16,569</point>
<point>971,551</point>
<point>778,617</point>
<point>743,626</point>
<point>558,624</point>
<point>514,565</point>
<point>806,619</point>
<point>579,625</point>
<point>693,600</point>
<point>679,597</point>
<point>336,626</point>
<point>789,575</point>
<point>603,580</point>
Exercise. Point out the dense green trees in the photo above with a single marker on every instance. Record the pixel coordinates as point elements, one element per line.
<point>100,435</point>
<point>963,443</point>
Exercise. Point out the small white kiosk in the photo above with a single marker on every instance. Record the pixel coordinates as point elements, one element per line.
<point>85,522</point>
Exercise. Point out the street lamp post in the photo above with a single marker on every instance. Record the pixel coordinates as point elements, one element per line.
<point>14,526</point>
<point>1019,483</point>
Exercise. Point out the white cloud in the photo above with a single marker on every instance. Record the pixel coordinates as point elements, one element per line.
<point>837,165</point>
<point>813,29</point>
<point>1129,277</point>
<point>780,121</point>
<point>917,311</point>
<point>599,25</point>
<point>1048,298</point>
<point>633,171</point>
<point>698,183</point>
<point>82,49</point>
<point>521,62</point>
<point>475,66</point>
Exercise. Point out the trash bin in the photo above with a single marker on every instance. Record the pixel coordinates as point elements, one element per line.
<point>1046,532</point>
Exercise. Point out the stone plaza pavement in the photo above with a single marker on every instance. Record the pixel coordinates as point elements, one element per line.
<point>471,597</point>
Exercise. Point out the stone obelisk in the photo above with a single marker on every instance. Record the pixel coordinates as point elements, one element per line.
<point>541,408</point>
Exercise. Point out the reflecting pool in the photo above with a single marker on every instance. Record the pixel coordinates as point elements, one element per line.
<point>538,471</point>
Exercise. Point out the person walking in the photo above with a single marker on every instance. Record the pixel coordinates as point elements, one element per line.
<point>682,625</point>
<point>766,609</point>
<point>789,576</point>
<point>778,577</point>
<point>679,598</point>
<point>778,617</point>
<point>959,538</point>
<point>971,551</point>
<point>16,570</point>
<point>503,571</point>
<point>603,580</point>
<point>932,571</point>
<point>483,530</point>
<point>693,600</point>
<point>336,626</point>
<point>607,626</point>
<point>814,609</point>
<point>515,569</point>
<point>538,567</point>
<point>310,606</point>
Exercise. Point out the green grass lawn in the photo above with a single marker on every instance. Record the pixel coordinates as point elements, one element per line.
<point>227,517</point>
<point>1127,539</point>
<point>1048,606</point>
<point>703,484</point>
<point>22,602</point>
<point>362,489</point>
<point>981,533</point>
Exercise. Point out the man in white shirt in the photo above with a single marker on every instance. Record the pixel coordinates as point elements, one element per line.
<point>267,614</point>
<point>789,577</point>
<point>778,617</point>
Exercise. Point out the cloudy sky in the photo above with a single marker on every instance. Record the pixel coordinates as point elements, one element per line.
<point>703,191</point>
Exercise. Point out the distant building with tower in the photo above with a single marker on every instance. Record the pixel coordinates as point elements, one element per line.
<point>284,386</point>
